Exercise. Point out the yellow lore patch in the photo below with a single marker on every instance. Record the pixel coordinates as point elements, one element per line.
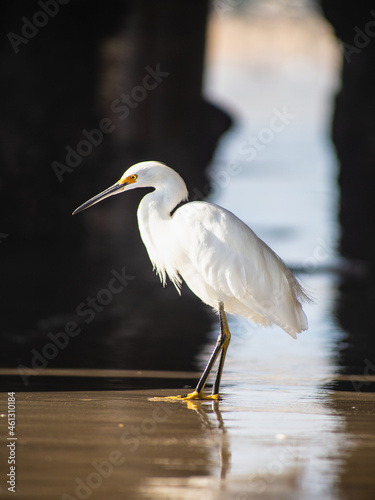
<point>129,179</point>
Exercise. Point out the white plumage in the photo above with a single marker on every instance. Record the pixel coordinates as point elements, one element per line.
<point>218,256</point>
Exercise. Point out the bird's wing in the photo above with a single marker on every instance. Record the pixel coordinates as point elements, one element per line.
<point>235,263</point>
<point>226,253</point>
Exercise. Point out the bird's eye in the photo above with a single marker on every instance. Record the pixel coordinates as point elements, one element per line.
<point>133,177</point>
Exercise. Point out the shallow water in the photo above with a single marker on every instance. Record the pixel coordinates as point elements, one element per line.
<point>273,438</point>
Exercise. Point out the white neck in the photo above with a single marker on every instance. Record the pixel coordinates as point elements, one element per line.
<point>154,217</point>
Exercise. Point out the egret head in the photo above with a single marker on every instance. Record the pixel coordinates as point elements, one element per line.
<point>144,174</point>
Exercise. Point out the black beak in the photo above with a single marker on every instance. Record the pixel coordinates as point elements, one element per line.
<point>115,189</point>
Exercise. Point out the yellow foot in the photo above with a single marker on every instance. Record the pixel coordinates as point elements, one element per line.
<point>192,395</point>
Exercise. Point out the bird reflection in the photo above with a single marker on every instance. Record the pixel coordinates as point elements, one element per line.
<point>212,419</point>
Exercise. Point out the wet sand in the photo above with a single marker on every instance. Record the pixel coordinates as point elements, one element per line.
<point>266,440</point>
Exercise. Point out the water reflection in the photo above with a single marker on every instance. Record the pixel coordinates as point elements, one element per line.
<point>264,447</point>
<point>356,474</point>
<point>212,419</point>
<point>269,439</point>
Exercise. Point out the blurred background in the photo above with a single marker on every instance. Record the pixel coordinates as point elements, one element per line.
<point>264,107</point>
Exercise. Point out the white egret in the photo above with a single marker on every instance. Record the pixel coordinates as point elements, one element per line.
<point>218,256</point>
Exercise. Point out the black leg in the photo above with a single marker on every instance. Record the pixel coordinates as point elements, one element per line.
<point>225,333</point>
<point>202,381</point>
<point>221,346</point>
